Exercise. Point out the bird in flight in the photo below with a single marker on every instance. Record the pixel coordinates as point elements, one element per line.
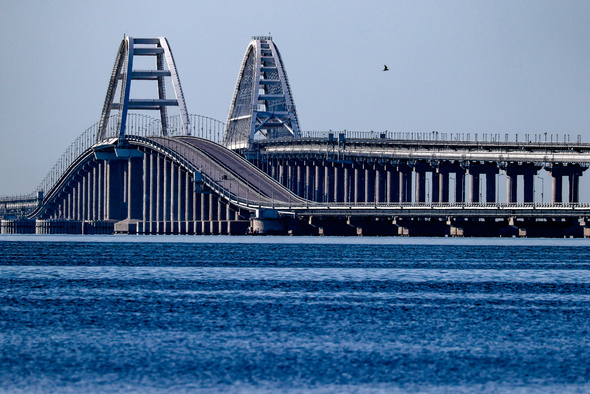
<point>385,67</point>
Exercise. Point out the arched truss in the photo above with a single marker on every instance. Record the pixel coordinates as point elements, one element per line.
<point>262,103</point>
<point>124,73</point>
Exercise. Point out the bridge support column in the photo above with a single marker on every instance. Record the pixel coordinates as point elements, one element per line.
<point>94,186</point>
<point>444,187</point>
<point>370,180</point>
<point>393,194</point>
<point>102,192</point>
<point>117,207</point>
<point>460,185</point>
<point>511,185</point>
<point>474,196</point>
<point>491,187</point>
<point>435,187</point>
<point>134,188</point>
<point>573,172</point>
<point>574,187</point>
<point>300,178</point>
<point>320,173</point>
<point>173,195</point>
<point>309,179</point>
<point>339,183</point>
<point>281,170</point>
<point>147,180</point>
<point>329,182</point>
<point>476,170</point>
<point>528,172</point>
<point>381,184</point>
<point>405,183</point>
<point>359,183</point>
<point>420,170</point>
<point>348,176</point>
<point>529,186</point>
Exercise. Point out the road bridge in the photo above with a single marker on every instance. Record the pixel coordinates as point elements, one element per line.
<point>382,169</point>
<point>259,173</point>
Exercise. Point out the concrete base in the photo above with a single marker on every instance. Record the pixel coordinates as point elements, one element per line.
<point>17,226</point>
<point>267,226</point>
<point>127,226</point>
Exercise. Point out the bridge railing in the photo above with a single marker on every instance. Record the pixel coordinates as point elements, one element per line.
<point>142,125</point>
<point>443,206</point>
<point>137,124</point>
<point>435,136</point>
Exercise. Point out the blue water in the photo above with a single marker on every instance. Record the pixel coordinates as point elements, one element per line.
<point>290,314</point>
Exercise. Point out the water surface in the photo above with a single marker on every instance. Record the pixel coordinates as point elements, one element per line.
<point>267,314</point>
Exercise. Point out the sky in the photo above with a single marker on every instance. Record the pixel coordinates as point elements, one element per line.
<point>455,66</point>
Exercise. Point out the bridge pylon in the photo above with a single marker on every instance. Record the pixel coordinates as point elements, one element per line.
<point>124,73</point>
<point>262,104</point>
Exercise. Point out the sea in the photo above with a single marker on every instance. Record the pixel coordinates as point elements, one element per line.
<point>232,314</point>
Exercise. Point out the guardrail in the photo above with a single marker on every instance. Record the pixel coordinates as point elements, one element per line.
<point>449,137</point>
<point>137,125</point>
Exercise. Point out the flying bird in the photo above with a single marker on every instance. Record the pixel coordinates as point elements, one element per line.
<point>385,67</point>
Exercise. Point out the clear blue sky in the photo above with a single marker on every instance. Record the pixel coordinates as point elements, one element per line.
<point>456,66</point>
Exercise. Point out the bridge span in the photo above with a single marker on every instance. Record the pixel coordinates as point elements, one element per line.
<point>259,173</point>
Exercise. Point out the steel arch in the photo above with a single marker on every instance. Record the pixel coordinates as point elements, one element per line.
<point>262,103</point>
<point>124,73</point>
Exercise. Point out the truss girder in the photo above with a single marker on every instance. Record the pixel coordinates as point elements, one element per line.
<point>262,103</point>
<point>121,81</point>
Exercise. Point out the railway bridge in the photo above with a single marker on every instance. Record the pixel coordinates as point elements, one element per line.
<point>259,173</point>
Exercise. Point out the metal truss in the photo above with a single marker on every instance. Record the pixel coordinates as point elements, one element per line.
<point>124,73</point>
<point>262,105</point>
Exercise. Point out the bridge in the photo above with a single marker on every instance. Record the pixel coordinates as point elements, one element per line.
<point>259,173</point>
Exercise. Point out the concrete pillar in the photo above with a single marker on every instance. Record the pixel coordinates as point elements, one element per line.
<point>213,207</point>
<point>380,184</point>
<point>405,183</point>
<point>135,188</point>
<point>460,185</point>
<point>319,182</point>
<point>83,194</point>
<point>556,188</point>
<point>190,196</point>
<point>173,194</point>
<point>300,190</point>
<point>117,208</point>
<point>159,188</point>
<point>167,166</point>
<point>84,199</point>
<point>359,183</point>
<point>511,185</point>
<point>370,181</point>
<point>146,186</point>
<point>94,189</point>
<point>529,186</point>
<point>205,207</point>
<point>100,190</point>
<point>574,187</point>
<point>309,179</point>
<point>329,182</point>
<point>444,186</point>
<point>339,183</point>
<point>420,186</point>
<point>474,187</point>
<point>435,187</point>
<point>348,175</point>
<point>281,172</point>
<point>490,187</point>
<point>392,175</point>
